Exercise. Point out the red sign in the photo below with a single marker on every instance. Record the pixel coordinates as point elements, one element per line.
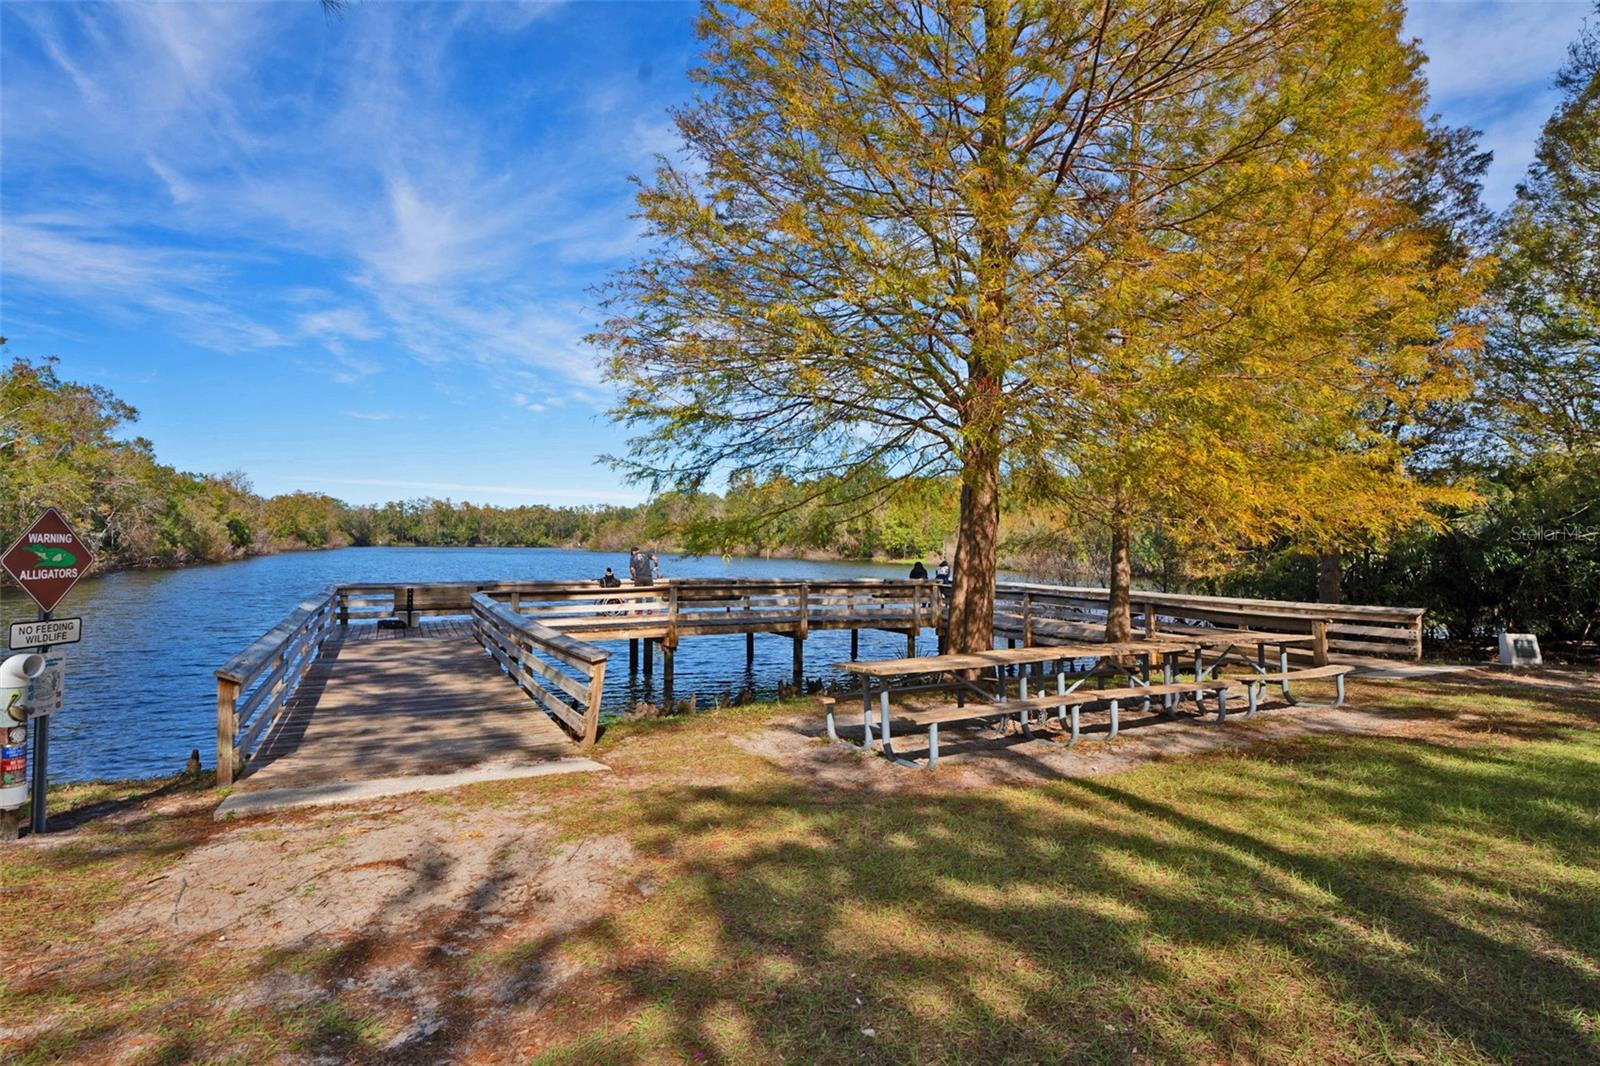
<point>48,559</point>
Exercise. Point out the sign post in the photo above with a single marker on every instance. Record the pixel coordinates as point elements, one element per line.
<point>47,560</point>
<point>41,759</point>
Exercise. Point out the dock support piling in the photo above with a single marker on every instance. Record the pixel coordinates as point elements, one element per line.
<point>667,656</point>
<point>911,643</point>
<point>855,644</point>
<point>649,656</point>
<point>633,655</point>
<point>799,661</point>
<point>749,649</point>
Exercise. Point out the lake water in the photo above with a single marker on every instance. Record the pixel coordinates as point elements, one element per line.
<point>141,692</point>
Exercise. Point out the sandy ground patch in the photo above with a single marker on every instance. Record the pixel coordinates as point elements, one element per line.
<point>973,756</point>
<point>371,873</point>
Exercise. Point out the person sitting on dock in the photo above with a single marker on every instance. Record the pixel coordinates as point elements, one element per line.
<point>918,571</point>
<point>609,580</point>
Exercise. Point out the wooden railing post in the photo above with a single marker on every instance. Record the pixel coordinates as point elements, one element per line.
<point>1319,642</point>
<point>227,729</point>
<point>1149,620</point>
<point>805,614</point>
<point>591,716</point>
<point>344,606</point>
<point>1027,619</point>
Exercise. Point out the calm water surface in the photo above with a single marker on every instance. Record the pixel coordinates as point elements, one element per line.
<point>141,692</point>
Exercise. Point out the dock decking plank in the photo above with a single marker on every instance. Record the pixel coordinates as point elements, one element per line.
<point>385,707</point>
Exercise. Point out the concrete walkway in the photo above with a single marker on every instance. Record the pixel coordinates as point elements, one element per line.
<point>241,804</point>
<point>1377,668</point>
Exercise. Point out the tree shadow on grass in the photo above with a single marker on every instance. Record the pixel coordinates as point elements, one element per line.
<point>126,797</point>
<point>1477,704</point>
<point>1092,921</point>
<point>1313,901</point>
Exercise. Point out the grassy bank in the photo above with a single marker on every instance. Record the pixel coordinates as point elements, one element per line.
<point>1431,894</point>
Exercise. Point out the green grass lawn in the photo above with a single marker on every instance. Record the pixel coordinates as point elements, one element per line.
<point>1427,898</point>
<point>1323,901</point>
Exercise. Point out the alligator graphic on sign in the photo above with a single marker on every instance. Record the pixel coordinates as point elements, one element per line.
<point>47,560</point>
<point>53,558</point>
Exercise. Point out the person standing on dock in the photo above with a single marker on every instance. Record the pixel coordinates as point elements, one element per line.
<point>639,571</point>
<point>918,571</point>
<point>941,573</point>
<point>639,568</point>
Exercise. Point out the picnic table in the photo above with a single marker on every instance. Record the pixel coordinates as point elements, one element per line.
<point>1229,647</point>
<point>1226,647</point>
<point>991,689</point>
<point>982,684</point>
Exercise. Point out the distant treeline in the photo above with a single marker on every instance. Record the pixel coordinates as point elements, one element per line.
<point>1526,557</point>
<point>63,444</point>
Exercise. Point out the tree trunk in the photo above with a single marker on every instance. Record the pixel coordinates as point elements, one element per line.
<point>1328,574</point>
<point>978,531</point>
<point>977,541</point>
<point>1119,611</point>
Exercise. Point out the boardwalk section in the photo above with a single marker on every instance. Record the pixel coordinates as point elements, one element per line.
<point>384,708</point>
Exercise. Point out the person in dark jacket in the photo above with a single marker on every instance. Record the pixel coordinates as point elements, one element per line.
<point>918,571</point>
<point>609,580</point>
<point>639,568</point>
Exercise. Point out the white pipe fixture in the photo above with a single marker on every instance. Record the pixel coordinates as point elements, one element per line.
<point>15,673</point>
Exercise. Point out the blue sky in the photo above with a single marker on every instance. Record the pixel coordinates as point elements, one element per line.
<point>354,254</point>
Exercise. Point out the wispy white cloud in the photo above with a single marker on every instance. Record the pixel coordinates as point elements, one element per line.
<point>347,369</point>
<point>1491,66</point>
<point>341,322</point>
<point>96,263</point>
<point>460,245</point>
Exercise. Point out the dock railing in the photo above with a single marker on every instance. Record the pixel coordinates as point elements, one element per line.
<point>1360,628</point>
<point>686,605</point>
<point>563,675</point>
<point>254,687</point>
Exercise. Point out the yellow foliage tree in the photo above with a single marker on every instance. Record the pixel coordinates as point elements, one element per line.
<point>906,241</point>
<point>1261,334</point>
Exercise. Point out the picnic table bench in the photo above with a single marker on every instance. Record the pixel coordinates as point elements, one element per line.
<point>978,698</point>
<point>996,703</point>
<point>1226,644</point>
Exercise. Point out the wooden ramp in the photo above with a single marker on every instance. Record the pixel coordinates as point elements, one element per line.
<point>397,712</point>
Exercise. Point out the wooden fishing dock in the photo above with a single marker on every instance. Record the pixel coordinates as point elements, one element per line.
<point>396,680</point>
<point>363,681</point>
